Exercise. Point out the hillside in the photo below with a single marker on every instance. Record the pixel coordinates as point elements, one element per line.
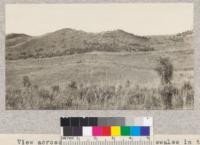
<point>12,40</point>
<point>69,41</point>
<point>104,68</point>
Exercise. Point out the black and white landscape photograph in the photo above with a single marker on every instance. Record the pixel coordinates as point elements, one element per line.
<point>134,56</point>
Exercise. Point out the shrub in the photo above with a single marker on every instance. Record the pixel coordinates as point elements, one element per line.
<point>188,92</point>
<point>26,81</point>
<point>73,85</point>
<point>45,94</point>
<point>55,89</point>
<point>187,86</point>
<point>128,84</point>
<point>165,70</point>
<point>14,99</point>
<point>167,92</point>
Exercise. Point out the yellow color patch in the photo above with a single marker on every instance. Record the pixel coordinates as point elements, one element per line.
<point>115,131</point>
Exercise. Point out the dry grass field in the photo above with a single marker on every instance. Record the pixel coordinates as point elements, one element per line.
<point>71,69</point>
<point>99,80</point>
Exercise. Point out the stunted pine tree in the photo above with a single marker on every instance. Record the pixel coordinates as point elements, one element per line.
<point>26,81</point>
<point>165,70</point>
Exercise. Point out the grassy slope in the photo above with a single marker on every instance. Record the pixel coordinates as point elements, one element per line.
<point>98,67</point>
<point>12,40</point>
<point>104,70</point>
<point>110,68</point>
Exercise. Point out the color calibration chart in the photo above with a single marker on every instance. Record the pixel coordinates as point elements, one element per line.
<point>106,130</point>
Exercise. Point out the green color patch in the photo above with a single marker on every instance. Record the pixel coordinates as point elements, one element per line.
<point>125,131</point>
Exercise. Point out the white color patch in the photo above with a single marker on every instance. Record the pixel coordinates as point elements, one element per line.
<point>87,131</point>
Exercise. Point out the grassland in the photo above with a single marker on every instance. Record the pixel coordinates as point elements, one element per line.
<point>100,80</point>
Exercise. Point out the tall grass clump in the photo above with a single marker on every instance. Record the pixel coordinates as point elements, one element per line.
<point>75,95</point>
<point>187,92</point>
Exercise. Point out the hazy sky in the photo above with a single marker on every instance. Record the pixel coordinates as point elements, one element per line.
<point>141,19</point>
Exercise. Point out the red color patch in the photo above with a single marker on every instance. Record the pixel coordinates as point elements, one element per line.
<point>106,131</point>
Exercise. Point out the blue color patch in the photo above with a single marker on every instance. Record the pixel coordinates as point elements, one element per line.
<point>135,131</point>
<point>145,131</point>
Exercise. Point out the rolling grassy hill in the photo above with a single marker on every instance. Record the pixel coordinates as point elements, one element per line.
<point>69,41</point>
<point>12,40</point>
<point>71,69</point>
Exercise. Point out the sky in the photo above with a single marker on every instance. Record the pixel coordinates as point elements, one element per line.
<point>138,18</point>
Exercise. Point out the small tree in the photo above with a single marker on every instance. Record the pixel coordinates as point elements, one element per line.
<point>165,70</point>
<point>26,81</point>
<point>72,85</point>
<point>55,89</point>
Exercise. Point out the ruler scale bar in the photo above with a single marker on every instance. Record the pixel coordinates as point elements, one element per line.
<point>107,143</point>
